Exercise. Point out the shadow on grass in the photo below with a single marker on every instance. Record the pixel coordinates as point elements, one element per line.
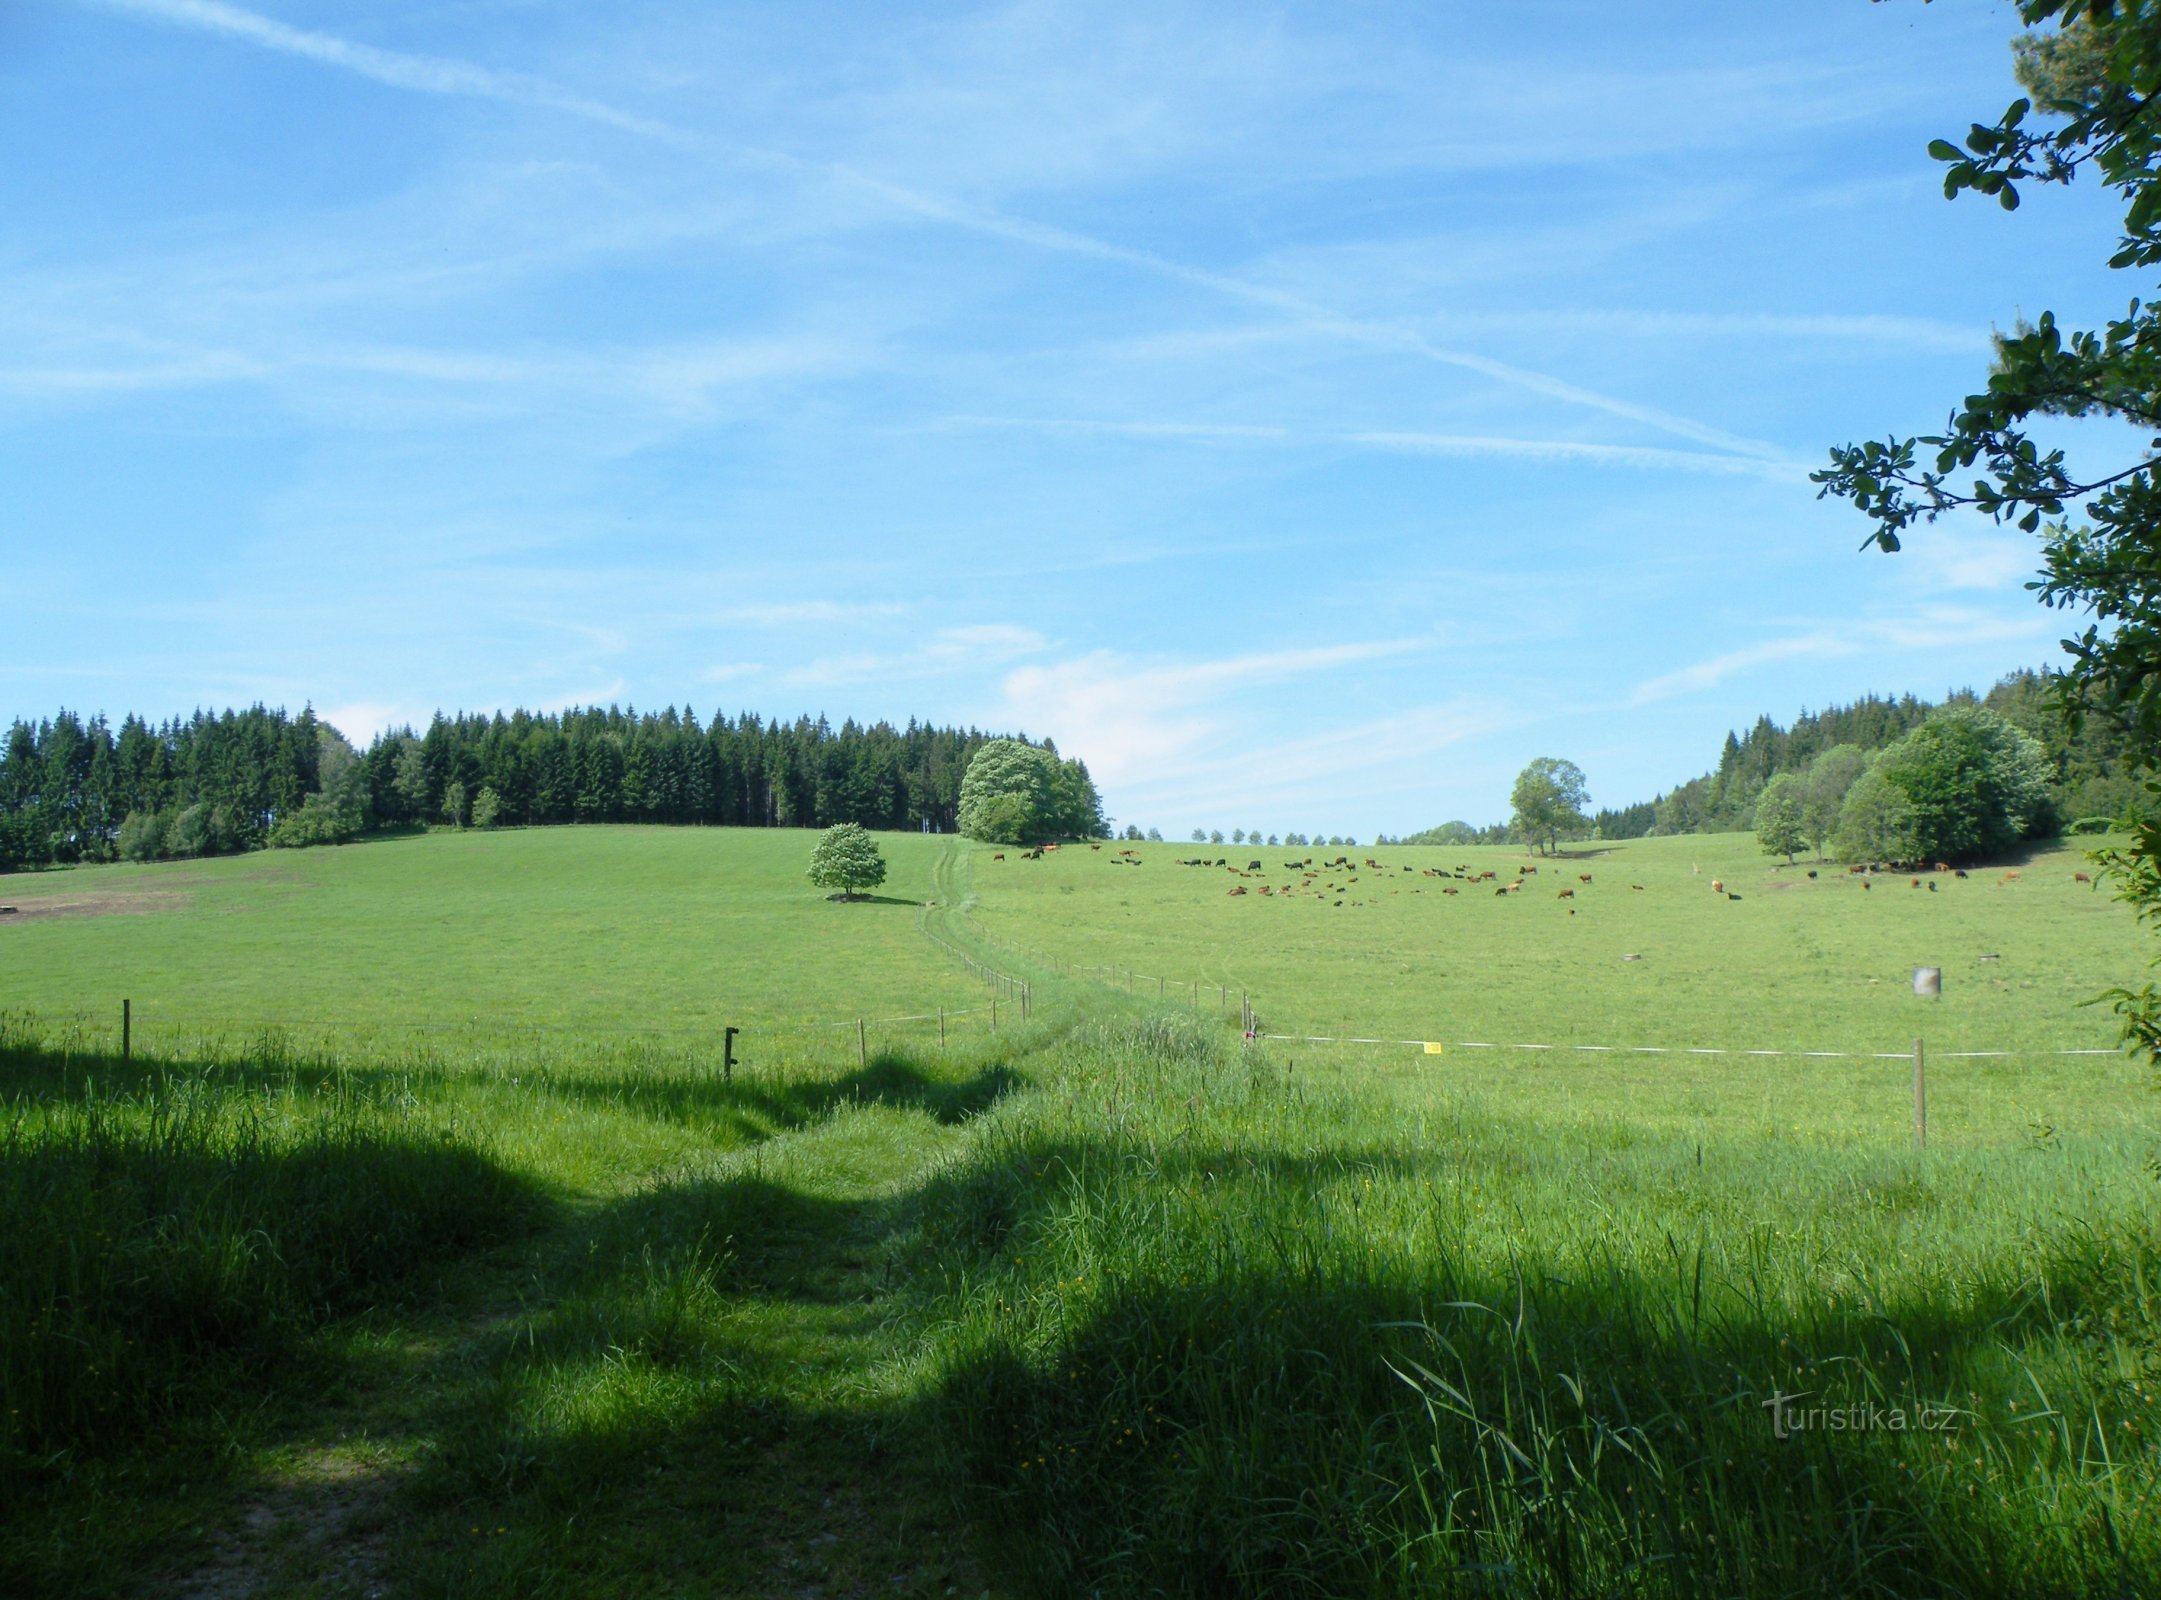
<point>748,1106</point>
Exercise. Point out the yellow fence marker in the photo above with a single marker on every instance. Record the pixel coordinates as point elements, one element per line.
<point>1432,1049</point>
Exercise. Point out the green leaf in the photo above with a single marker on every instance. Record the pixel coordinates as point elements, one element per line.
<point>1944,150</point>
<point>2008,199</point>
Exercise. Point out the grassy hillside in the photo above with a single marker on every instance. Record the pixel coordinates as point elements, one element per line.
<point>1110,1302</point>
<point>686,928</point>
<point>1794,964</point>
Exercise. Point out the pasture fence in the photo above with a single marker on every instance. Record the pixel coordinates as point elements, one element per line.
<point>97,1030</point>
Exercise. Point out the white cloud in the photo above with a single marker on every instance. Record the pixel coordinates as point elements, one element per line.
<point>1460,444</point>
<point>1132,717</point>
<point>1410,443</point>
<point>1931,628</point>
<point>361,721</point>
<point>436,75</point>
<point>396,68</point>
<point>974,646</point>
<point>793,613</point>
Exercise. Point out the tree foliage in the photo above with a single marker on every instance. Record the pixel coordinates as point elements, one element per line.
<point>69,786</point>
<point>1019,793</point>
<point>1779,816</point>
<point>2091,71</point>
<point>1974,785</point>
<point>1547,802</point>
<point>848,859</point>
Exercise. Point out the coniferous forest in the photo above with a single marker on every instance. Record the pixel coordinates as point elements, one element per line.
<point>76,790</point>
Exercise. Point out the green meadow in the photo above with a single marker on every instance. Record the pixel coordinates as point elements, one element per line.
<point>1106,1300</point>
<point>569,928</point>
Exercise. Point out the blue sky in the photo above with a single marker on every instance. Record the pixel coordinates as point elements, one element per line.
<point>1305,414</point>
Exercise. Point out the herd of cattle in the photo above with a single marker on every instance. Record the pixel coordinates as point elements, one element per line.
<point>1311,875</point>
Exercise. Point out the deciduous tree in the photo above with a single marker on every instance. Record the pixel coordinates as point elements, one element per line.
<point>1548,801</point>
<point>848,859</point>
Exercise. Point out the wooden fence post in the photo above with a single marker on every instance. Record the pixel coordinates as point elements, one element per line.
<point>941,1027</point>
<point>862,1048</point>
<point>127,1028</point>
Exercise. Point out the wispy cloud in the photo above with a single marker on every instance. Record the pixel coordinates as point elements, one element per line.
<point>1405,443</point>
<point>1464,444</point>
<point>795,613</point>
<point>1132,717</point>
<point>438,75</point>
<point>973,647</point>
<point>1930,628</point>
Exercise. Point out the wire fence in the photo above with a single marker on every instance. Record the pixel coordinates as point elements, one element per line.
<point>1196,992</point>
<point>1435,1047</point>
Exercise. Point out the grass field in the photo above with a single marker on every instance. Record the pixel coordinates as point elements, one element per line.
<point>573,928</point>
<point>1794,964</point>
<point>1105,1302</point>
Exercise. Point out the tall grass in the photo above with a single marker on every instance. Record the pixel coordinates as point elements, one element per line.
<point>164,1237</point>
<point>1211,1331</point>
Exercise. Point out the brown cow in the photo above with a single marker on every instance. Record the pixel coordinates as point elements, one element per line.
<point>1718,886</point>
<point>2080,877</point>
<point>1566,894</point>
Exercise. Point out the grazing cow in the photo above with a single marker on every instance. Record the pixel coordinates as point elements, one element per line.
<point>1812,872</point>
<point>1718,886</point>
<point>1637,887</point>
<point>1236,888</point>
<point>1526,871</point>
<point>1732,896</point>
<point>1050,847</point>
<point>1451,891</point>
<point>1866,885</point>
<point>1932,886</point>
<point>2009,876</point>
<point>1943,866</point>
<point>1253,866</point>
<point>997,855</point>
<point>1916,883</point>
<point>2080,877</point>
<point>1853,869</point>
<point>1583,877</point>
<point>1503,889</point>
<point>1095,847</point>
<point>1566,894</point>
<point>1960,873</point>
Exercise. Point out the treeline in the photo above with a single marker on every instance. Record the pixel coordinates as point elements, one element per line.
<point>2085,769</point>
<point>76,790</point>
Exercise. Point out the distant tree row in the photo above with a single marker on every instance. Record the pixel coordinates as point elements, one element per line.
<point>2084,769</point>
<point>78,790</point>
<point>1293,840</point>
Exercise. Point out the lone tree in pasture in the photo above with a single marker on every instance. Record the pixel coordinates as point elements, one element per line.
<point>1781,816</point>
<point>848,859</point>
<point>1548,801</point>
<point>2090,84</point>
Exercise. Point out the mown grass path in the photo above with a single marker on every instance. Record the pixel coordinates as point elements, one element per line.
<point>698,1384</point>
